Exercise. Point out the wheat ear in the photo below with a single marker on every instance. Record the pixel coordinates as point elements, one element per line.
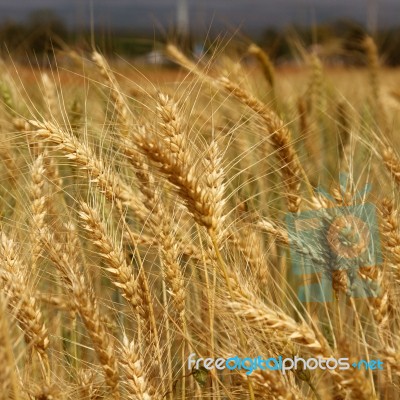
<point>392,163</point>
<point>137,383</point>
<point>280,135</point>
<point>38,206</point>
<point>9,388</point>
<point>391,235</point>
<point>269,383</point>
<point>135,290</point>
<point>21,300</point>
<point>86,304</point>
<point>191,187</point>
<point>266,63</point>
<point>164,230</point>
<point>255,312</point>
<point>120,106</point>
<point>50,95</point>
<point>106,179</point>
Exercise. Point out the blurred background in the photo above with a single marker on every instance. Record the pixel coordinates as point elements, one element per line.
<point>138,29</point>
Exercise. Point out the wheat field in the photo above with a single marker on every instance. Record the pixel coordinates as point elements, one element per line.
<point>144,220</point>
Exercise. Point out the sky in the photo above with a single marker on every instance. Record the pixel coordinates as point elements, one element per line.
<point>251,15</point>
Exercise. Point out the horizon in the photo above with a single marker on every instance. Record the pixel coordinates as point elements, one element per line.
<point>253,16</point>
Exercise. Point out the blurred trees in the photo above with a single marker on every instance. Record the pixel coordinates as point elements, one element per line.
<point>44,28</point>
<point>344,38</point>
<point>45,31</point>
<point>36,34</point>
<point>389,45</point>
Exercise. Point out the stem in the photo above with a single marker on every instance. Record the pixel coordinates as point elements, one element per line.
<point>141,276</point>
<point>211,311</point>
<point>222,265</point>
<point>74,339</point>
<point>183,362</point>
<point>364,341</point>
<point>314,390</point>
<point>168,333</point>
